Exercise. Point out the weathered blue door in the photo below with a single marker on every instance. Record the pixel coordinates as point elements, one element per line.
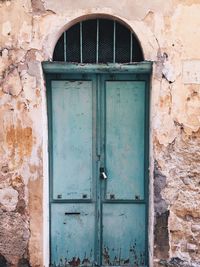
<point>98,167</point>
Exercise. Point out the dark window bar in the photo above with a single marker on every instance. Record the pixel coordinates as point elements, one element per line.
<point>98,41</point>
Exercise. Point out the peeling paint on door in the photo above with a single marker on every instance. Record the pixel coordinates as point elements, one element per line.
<point>98,177</point>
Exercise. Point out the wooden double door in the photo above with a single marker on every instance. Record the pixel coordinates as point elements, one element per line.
<point>98,143</point>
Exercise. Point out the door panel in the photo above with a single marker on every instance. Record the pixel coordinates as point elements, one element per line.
<point>98,124</point>
<point>72,234</point>
<point>72,139</point>
<point>124,234</point>
<point>125,121</point>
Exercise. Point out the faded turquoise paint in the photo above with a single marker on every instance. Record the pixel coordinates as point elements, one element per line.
<point>98,120</point>
<point>60,67</point>
<point>125,139</point>
<point>72,233</point>
<point>72,139</point>
<point>124,234</point>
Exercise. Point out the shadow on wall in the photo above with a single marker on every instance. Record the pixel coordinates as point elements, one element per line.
<point>161,236</point>
<point>21,262</point>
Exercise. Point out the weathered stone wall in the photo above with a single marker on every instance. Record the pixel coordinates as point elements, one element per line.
<point>169,34</point>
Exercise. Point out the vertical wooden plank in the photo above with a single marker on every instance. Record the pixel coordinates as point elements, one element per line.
<point>72,139</point>
<point>98,164</point>
<point>73,225</point>
<point>125,116</point>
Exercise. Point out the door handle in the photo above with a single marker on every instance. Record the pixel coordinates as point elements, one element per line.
<point>103,174</point>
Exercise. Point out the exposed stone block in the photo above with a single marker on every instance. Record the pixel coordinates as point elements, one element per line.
<point>12,83</point>
<point>196,227</point>
<point>14,236</point>
<point>8,198</point>
<point>192,247</point>
<point>191,73</point>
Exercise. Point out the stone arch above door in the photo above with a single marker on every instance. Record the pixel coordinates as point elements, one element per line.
<point>96,41</point>
<point>103,88</point>
<point>147,39</point>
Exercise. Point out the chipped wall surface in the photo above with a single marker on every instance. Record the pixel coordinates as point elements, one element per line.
<point>169,35</point>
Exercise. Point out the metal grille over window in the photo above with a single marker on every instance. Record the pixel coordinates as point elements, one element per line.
<point>98,41</point>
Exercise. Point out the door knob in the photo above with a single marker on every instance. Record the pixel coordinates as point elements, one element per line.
<point>103,174</point>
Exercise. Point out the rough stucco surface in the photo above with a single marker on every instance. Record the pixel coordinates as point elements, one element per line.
<point>169,34</point>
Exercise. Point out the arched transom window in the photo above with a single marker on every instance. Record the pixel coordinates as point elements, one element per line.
<point>98,41</point>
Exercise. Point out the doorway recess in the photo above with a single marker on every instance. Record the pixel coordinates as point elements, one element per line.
<point>98,118</point>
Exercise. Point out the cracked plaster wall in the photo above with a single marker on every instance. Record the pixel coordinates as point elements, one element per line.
<point>169,34</point>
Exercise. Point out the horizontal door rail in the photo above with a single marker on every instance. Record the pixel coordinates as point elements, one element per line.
<point>114,201</point>
<point>124,201</point>
<point>71,201</point>
<point>63,67</point>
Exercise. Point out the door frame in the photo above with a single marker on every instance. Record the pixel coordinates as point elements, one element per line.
<point>53,70</point>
